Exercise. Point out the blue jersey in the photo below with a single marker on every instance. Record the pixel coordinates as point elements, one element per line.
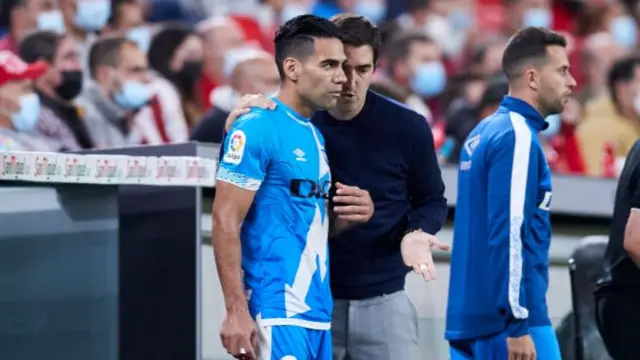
<point>280,155</point>
<point>502,232</point>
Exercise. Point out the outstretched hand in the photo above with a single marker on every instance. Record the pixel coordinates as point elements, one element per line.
<point>416,249</point>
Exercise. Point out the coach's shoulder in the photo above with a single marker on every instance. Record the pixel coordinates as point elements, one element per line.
<point>402,114</point>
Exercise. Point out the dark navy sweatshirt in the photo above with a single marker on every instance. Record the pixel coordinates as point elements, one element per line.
<point>388,150</point>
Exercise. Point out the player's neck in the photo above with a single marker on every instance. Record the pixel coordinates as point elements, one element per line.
<point>528,98</point>
<point>293,100</point>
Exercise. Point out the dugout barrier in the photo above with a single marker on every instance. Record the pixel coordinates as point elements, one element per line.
<point>126,272</point>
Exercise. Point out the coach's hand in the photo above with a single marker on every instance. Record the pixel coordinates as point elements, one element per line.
<point>239,335</point>
<point>521,348</point>
<point>245,104</point>
<point>416,249</point>
<point>352,204</point>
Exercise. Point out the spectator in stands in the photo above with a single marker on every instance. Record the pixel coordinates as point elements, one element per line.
<point>459,124</point>
<point>59,120</point>
<point>83,19</point>
<point>248,71</point>
<point>414,63</point>
<point>599,51</point>
<point>486,56</point>
<point>128,19</point>
<point>386,87</point>
<point>20,105</point>
<point>523,13</point>
<point>374,10</point>
<point>23,16</point>
<point>220,34</point>
<point>618,131</point>
<point>119,88</point>
<point>560,143</point>
<point>176,58</point>
<point>447,22</point>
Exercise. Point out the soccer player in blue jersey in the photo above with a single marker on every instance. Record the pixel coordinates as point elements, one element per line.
<point>502,233</point>
<point>270,212</point>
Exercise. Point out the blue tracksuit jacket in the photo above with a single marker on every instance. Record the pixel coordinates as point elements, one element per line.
<point>499,264</point>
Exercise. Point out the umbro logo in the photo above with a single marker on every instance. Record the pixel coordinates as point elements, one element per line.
<point>471,144</point>
<point>299,155</point>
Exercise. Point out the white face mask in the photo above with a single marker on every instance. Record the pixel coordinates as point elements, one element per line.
<point>636,104</point>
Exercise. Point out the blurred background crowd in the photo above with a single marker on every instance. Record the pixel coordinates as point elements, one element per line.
<point>123,72</point>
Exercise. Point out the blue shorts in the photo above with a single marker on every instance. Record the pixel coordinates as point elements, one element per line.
<point>286,342</point>
<point>495,347</point>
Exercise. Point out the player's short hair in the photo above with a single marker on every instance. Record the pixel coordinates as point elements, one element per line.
<point>106,51</point>
<point>296,38</point>
<point>528,46</point>
<point>40,45</point>
<point>399,47</point>
<point>358,31</point>
<point>623,70</point>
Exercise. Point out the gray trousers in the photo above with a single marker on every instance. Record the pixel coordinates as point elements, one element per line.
<point>379,328</point>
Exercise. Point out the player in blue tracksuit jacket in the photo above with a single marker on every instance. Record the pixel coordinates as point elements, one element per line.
<point>499,266</point>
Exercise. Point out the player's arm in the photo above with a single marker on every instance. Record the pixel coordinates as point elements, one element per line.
<point>426,188</point>
<point>508,160</point>
<point>243,166</point>
<point>632,231</point>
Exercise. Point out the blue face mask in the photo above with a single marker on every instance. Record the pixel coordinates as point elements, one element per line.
<point>555,122</point>
<point>429,79</point>
<point>51,21</point>
<point>461,19</point>
<point>624,31</point>
<point>140,35</point>
<point>133,95</point>
<point>26,118</point>
<point>92,15</point>
<point>372,10</point>
<point>536,17</point>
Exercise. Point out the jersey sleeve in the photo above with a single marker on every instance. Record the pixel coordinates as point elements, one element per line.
<point>246,152</point>
<point>509,160</point>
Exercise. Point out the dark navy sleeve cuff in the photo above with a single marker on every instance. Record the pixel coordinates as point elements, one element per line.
<point>517,328</point>
<point>429,227</point>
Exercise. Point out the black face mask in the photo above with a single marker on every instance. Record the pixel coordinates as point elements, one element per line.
<point>70,86</point>
<point>190,72</point>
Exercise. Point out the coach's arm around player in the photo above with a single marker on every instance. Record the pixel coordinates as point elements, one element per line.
<point>350,205</point>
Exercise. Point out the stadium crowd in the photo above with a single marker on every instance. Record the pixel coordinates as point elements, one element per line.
<point>123,72</point>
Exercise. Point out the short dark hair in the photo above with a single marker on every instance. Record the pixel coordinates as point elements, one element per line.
<point>6,8</point>
<point>358,31</point>
<point>115,9</point>
<point>399,47</point>
<point>623,70</point>
<point>106,51</point>
<point>40,45</point>
<point>528,45</point>
<point>296,38</point>
<point>413,5</point>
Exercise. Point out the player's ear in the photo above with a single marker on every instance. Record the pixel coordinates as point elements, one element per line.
<point>291,69</point>
<point>532,77</point>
